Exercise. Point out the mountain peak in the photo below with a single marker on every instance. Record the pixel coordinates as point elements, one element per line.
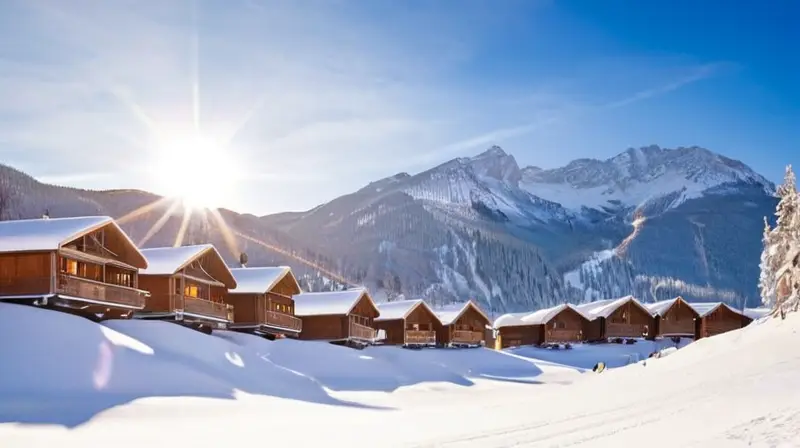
<point>493,151</point>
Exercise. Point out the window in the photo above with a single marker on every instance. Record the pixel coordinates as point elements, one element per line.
<point>69,267</point>
<point>190,291</point>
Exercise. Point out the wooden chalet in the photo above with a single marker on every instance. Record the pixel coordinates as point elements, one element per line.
<point>341,317</point>
<point>717,318</point>
<point>512,331</point>
<point>407,323</point>
<point>461,325</point>
<point>623,318</point>
<point>262,301</point>
<point>84,265</point>
<point>187,284</point>
<point>673,318</point>
<point>560,324</point>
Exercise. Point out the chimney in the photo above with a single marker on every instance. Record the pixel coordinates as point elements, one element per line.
<point>46,214</point>
<point>243,259</point>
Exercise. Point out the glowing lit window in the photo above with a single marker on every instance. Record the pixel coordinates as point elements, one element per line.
<point>190,290</point>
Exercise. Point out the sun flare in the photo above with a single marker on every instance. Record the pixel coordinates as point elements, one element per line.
<point>196,171</point>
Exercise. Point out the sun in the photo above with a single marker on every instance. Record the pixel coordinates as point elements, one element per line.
<point>195,170</point>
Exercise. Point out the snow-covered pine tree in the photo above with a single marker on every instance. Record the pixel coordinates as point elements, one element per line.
<point>781,246</point>
<point>767,281</point>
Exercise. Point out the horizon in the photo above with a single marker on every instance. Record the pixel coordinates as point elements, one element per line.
<point>115,96</point>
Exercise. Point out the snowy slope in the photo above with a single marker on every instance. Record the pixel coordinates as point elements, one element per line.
<point>233,388</point>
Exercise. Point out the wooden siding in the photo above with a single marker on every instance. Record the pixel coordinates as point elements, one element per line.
<point>628,321</point>
<point>719,321</point>
<point>678,320</point>
<point>270,313</point>
<point>359,324</point>
<point>519,335</point>
<point>566,326</point>
<point>26,274</point>
<point>467,329</point>
<point>178,294</point>
<point>416,328</point>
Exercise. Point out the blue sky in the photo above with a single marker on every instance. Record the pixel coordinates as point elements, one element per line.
<point>315,99</point>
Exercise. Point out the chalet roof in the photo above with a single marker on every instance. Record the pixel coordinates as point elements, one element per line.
<point>170,260</point>
<point>35,235</point>
<point>705,308</point>
<point>510,320</point>
<point>604,308</point>
<point>259,280</point>
<point>660,307</point>
<point>756,313</point>
<point>400,309</point>
<point>450,313</point>
<point>544,316</point>
<point>329,303</point>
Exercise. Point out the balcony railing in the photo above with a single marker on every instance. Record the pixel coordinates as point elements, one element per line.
<point>281,320</point>
<point>420,337</point>
<point>467,337</point>
<point>206,308</point>
<point>614,330</point>
<point>358,331</point>
<point>715,328</point>
<point>101,292</point>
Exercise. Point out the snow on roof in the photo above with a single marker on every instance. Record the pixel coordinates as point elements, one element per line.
<point>604,308</point>
<point>32,235</point>
<point>510,320</point>
<point>756,313</point>
<point>259,280</point>
<point>661,307</point>
<point>169,260</point>
<point>450,313</point>
<point>328,303</point>
<point>544,316</point>
<point>399,309</point>
<point>26,235</point>
<point>706,308</point>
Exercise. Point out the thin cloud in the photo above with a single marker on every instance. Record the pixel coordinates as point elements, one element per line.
<point>698,74</point>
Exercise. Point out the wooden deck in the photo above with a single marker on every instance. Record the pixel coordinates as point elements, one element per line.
<point>203,308</point>
<point>77,288</point>
<point>280,320</point>
<point>467,337</point>
<point>672,328</point>
<point>420,337</point>
<point>358,331</point>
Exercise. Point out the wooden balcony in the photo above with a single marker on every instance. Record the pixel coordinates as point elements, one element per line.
<point>420,337</point>
<point>676,328</point>
<point>614,330</point>
<point>282,321</point>
<point>358,331</point>
<point>467,337</point>
<point>107,293</point>
<point>206,308</point>
<point>712,328</point>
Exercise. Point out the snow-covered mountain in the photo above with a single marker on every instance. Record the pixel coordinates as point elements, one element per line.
<point>651,222</point>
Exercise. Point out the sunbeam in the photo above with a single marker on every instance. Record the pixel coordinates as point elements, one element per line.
<point>309,263</point>
<point>225,230</point>
<point>187,216</point>
<point>159,224</point>
<point>142,210</point>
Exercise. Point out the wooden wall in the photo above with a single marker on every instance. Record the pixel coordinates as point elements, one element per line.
<point>719,321</point>
<point>246,307</point>
<point>395,330</point>
<point>25,273</point>
<point>520,335</point>
<point>678,320</point>
<point>471,320</point>
<point>566,326</point>
<point>324,327</point>
<point>160,288</point>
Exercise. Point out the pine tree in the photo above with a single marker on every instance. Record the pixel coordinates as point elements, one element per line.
<point>780,274</point>
<point>766,282</point>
